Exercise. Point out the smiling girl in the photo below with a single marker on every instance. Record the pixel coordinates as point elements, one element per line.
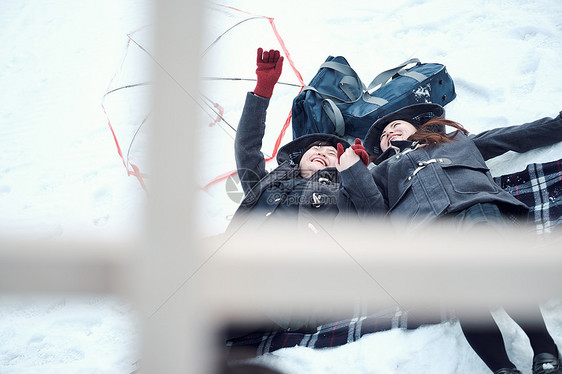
<point>424,174</point>
<point>304,187</point>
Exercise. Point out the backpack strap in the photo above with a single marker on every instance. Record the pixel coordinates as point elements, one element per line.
<point>412,74</point>
<point>344,69</point>
<point>382,78</point>
<point>328,96</point>
<point>350,79</point>
<point>334,114</point>
<point>386,75</point>
<point>373,99</point>
<point>347,82</point>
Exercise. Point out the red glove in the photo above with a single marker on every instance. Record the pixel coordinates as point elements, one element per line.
<point>340,150</point>
<point>269,69</point>
<point>360,151</point>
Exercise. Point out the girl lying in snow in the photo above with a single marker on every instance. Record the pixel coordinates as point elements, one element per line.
<point>424,174</point>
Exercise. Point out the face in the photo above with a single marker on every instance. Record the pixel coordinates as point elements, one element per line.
<point>317,158</point>
<point>396,130</point>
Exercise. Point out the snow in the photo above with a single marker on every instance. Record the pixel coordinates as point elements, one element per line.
<point>61,176</point>
<point>89,334</point>
<point>58,162</point>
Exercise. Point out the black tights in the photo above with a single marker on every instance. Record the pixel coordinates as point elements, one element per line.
<point>485,338</point>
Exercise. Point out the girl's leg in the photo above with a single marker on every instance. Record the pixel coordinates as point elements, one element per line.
<point>533,325</point>
<point>486,340</point>
<point>483,333</point>
<point>546,359</point>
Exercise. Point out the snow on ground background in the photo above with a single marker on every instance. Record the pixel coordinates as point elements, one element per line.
<point>60,175</point>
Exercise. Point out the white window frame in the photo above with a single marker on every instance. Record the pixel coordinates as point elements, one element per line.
<point>185,286</point>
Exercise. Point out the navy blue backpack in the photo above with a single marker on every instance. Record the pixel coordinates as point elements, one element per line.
<point>337,102</point>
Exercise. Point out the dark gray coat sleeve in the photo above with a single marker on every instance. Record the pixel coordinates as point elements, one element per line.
<point>250,161</point>
<point>522,138</point>
<point>359,194</point>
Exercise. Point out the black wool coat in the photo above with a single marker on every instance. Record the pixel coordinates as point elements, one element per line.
<point>281,193</point>
<point>422,183</point>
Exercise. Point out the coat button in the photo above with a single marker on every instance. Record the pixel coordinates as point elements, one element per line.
<point>324,180</point>
<point>318,200</point>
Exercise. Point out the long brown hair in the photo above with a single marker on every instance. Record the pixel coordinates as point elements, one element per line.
<point>427,135</point>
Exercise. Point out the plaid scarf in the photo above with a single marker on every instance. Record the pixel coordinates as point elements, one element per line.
<point>539,186</point>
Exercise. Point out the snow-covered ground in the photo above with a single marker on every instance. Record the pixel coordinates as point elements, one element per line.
<point>61,176</point>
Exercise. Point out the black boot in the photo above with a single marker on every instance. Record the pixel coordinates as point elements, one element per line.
<point>546,363</point>
<point>507,371</point>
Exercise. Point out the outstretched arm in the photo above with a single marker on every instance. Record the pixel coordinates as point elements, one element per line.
<point>251,128</point>
<point>522,138</point>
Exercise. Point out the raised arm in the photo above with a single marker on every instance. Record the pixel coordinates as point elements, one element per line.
<point>521,138</point>
<point>251,128</point>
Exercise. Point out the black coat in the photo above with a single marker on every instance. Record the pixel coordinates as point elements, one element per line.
<point>281,193</point>
<point>425,183</point>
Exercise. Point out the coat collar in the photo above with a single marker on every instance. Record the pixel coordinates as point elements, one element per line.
<point>397,146</point>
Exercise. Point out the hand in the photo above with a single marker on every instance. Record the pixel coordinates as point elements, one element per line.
<point>346,158</point>
<point>360,151</point>
<point>270,65</point>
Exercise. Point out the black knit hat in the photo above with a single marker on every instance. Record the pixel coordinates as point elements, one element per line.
<point>293,150</point>
<point>416,114</point>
